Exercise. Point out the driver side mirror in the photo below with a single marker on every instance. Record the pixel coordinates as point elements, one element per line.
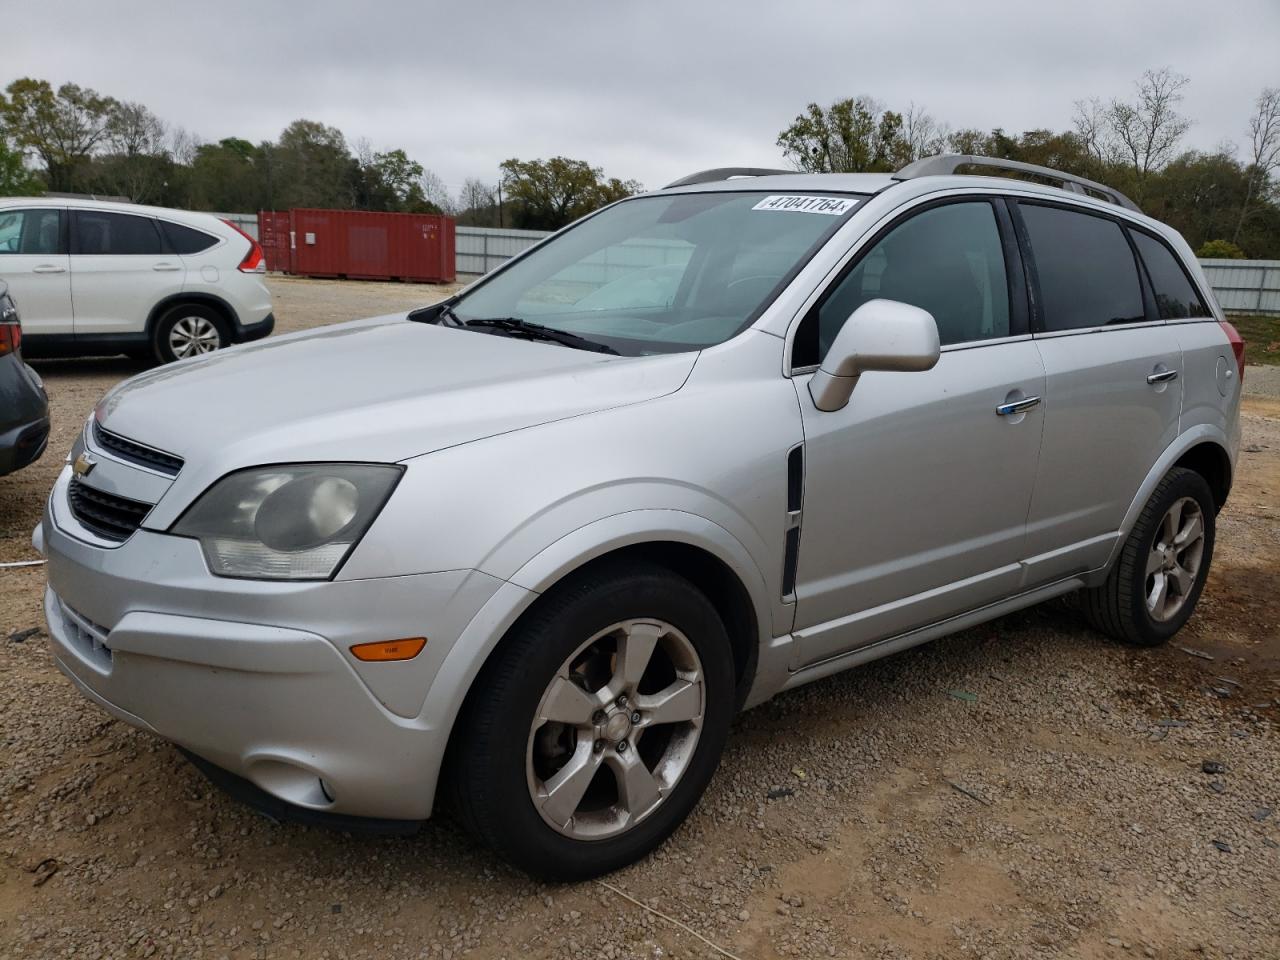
<point>879,335</point>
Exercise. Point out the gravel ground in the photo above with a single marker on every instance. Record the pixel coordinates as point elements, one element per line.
<point>1023,789</point>
<point>1260,381</point>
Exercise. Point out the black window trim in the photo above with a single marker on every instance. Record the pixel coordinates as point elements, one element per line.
<point>1191,280</point>
<point>73,247</point>
<point>1015,277</point>
<point>1151,315</point>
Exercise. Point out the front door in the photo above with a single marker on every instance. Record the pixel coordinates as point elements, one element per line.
<point>35,265</point>
<point>916,493</point>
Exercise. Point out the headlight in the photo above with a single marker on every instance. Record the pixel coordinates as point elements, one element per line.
<point>294,522</point>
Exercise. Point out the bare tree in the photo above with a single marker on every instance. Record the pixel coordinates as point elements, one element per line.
<point>1148,129</point>
<point>1090,122</point>
<point>135,131</point>
<point>135,158</point>
<point>1264,133</point>
<point>923,135</point>
<point>434,190</point>
<point>183,145</point>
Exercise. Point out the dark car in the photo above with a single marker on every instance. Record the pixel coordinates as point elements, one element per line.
<point>24,407</point>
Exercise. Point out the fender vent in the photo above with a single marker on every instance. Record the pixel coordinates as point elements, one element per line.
<point>795,500</point>
<point>795,479</point>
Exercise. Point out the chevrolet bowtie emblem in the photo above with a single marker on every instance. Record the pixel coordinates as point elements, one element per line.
<point>84,465</point>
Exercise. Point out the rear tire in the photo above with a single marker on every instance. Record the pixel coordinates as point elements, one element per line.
<point>568,797</point>
<point>1153,587</point>
<point>189,330</point>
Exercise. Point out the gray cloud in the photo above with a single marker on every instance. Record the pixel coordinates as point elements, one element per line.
<point>650,91</point>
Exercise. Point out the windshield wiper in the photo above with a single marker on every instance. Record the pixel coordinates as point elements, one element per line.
<point>516,327</point>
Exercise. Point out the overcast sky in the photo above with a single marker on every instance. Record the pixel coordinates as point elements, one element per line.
<point>647,90</point>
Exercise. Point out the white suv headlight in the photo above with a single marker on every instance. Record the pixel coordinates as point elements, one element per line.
<point>291,522</point>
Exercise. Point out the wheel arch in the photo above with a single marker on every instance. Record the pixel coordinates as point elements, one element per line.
<point>1202,448</point>
<point>1211,461</point>
<point>689,546</point>
<point>223,308</point>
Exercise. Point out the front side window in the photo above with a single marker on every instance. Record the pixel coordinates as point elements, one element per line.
<point>663,274</point>
<point>37,232</point>
<point>1087,273</point>
<point>947,260</point>
<point>98,233</point>
<point>1176,298</point>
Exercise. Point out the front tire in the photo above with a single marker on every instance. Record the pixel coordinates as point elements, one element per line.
<point>1153,587</point>
<point>189,330</point>
<point>594,730</point>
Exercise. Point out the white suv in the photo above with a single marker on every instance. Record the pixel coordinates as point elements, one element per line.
<point>92,277</point>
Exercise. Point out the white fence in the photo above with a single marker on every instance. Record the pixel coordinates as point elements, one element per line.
<point>1245,286</point>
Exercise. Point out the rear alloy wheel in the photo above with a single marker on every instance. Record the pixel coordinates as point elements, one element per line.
<point>1153,587</point>
<point>189,331</point>
<point>597,724</point>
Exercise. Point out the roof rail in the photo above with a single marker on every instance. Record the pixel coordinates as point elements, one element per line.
<point>947,163</point>
<point>724,173</point>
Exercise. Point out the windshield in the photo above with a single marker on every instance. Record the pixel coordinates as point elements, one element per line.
<point>663,274</point>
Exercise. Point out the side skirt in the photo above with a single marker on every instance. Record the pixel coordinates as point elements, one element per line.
<point>905,641</point>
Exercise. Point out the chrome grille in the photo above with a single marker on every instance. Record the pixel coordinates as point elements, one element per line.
<point>110,516</point>
<point>137,453</point>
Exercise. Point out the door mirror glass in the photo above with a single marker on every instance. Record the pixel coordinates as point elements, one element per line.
<point>880,335</point>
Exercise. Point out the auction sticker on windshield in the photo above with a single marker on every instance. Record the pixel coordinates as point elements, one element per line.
<point>832,206</point>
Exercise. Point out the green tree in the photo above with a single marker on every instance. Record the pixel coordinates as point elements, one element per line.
<point>16,179</point>
<point>231,175</point>
<point>1220,250</point>
<point>310,166</point>
<point>61,127</point>
<point>548,194</point>
<point>850,136</point>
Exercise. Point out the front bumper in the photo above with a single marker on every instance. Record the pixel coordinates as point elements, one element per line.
<point>256,677</point>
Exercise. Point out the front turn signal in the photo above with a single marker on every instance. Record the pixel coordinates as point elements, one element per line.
<point>382,651</point>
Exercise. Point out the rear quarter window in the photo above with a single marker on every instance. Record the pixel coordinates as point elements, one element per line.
<point>1176,298</point>
<point>186,240</point>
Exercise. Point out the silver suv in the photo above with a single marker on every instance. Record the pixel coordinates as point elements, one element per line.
<point>532,548</point>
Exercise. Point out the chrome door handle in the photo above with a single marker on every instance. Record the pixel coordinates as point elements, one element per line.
<point>1164,376</point>
<point>48,268</point>
<point>166,266</point>
<point>1016,406</point>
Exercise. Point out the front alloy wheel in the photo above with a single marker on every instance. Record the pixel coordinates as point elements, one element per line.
<point>616,729</point>
<point>597,723</point>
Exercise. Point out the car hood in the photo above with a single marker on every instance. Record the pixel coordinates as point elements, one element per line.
<point>379,390</point>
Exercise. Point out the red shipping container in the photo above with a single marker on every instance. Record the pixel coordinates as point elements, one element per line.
<point>273,237</point>
<point>363,245</point>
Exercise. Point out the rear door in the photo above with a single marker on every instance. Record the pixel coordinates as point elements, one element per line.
<point>34,262</point>
<point>120,269</point>
<point>1114,390</point>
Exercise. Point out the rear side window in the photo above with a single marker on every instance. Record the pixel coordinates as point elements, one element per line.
<point>115,234</point>
<point>947,260</point>
<point>185,240</point>
<point>1176,298</point>
<point>36,232</point>
<point>1088,277</point>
